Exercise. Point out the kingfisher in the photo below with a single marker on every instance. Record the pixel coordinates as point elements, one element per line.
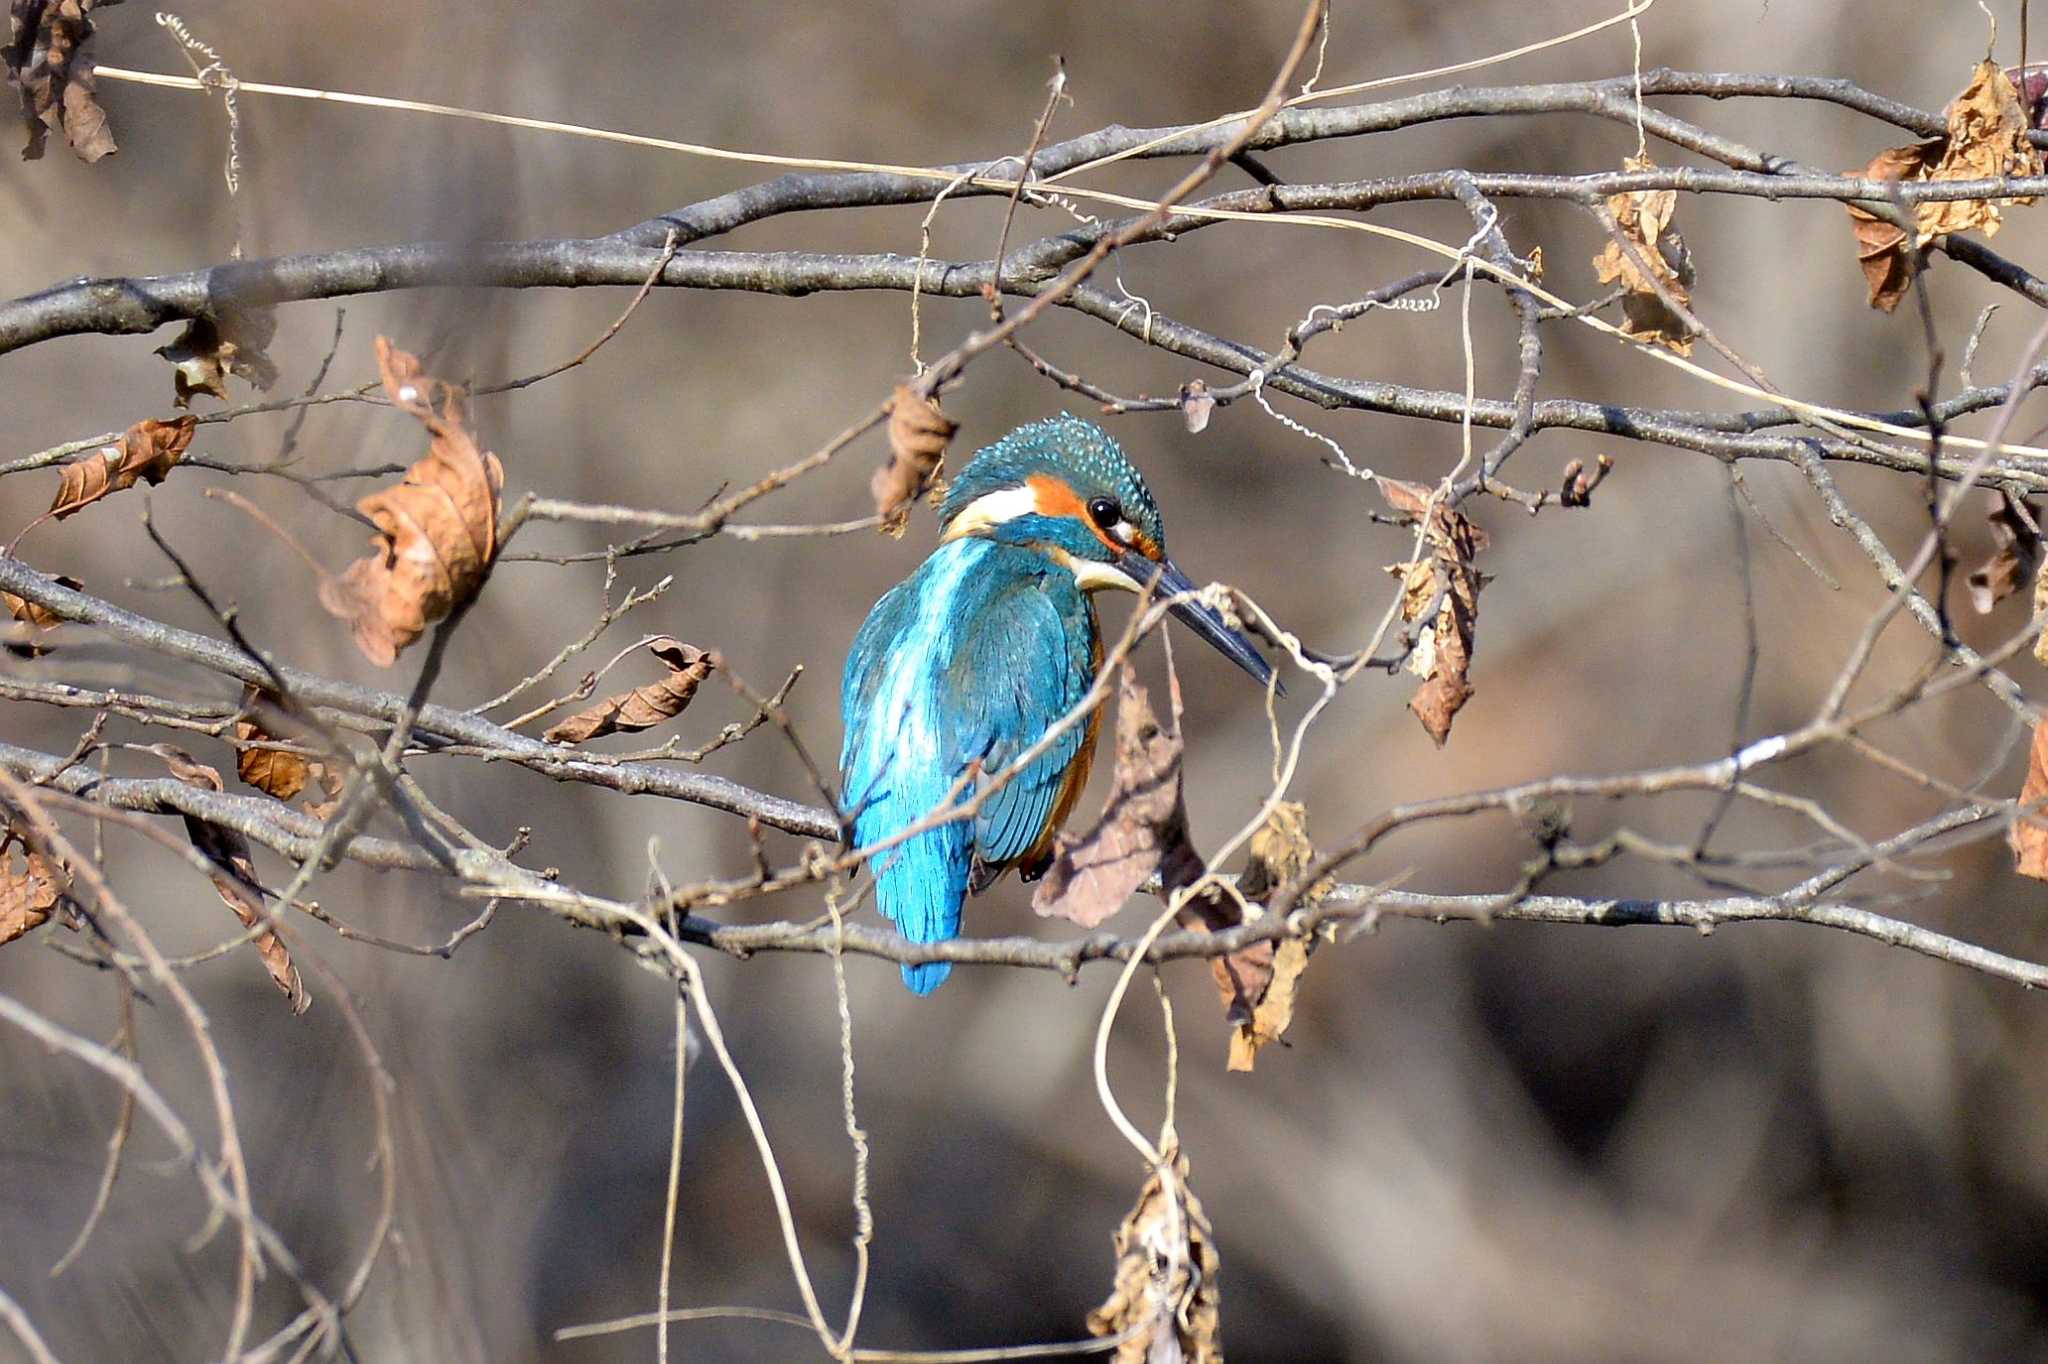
<point>968,662</point>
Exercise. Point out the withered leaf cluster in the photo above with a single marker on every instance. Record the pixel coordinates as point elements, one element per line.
<point>1986,138</point>
<point>48,68</point>
<point>1168,1298</point>
<point>629,712</point>
<point>234,875</point>
<point>918,435</point>
<point>1443,652</point>
<point>1659,258</point>
<point>437,529</point>
<point>234,341</point>
<point>1143,828</point>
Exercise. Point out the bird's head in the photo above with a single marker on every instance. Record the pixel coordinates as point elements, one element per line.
<point>1062,487</point>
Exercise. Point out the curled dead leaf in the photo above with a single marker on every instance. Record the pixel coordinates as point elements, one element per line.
<point>2016,559</point>
<point>40,620</point>
<point>1986,138</point>
<point>643,707</point>
<point>232,341</point>
<point>918,435</point>
<point>1644,218</point>
<point>147,450</point>
<point>1168,1297</point>
<point>50,71</point>
<point>437,529</point>
<point>30,887</point>
<point>234,877</point>
<point>1442,656</point>
<point>2029,832</point>
<point>1094,873</point>
<point>1196,403</point>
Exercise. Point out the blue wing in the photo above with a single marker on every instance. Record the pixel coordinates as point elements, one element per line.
<point>1026,658</point>
<point>971,659</point>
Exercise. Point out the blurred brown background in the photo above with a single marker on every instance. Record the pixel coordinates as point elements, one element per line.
<point>1510,1143</point>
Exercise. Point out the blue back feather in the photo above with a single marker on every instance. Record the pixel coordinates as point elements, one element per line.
<point>971,658</point>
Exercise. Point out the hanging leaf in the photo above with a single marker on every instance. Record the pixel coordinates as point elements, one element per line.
<point>1095,873</point>
<point>1259,984</point>
<point>234,878</point>
<point>643,707</point>
<point>276,772</point>
<point>50,71</point>
<point>437,529</point>
<point>30,888</point>
<point>918,435</point>
<point>2029,833</point>
<point>1644,218</point>
<point>2016,559</point>
<point>1442,656</point>
<point>1167,1301</point>
<point>40,620</point>
<point>1886,251</point>
<point>232,341</point>
<point>1987,138</point>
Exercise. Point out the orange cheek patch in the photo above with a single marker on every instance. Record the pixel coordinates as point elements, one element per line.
<point>1057,499</point>
<point>1146,546</point>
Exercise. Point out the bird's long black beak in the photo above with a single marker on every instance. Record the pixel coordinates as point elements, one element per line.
<point>1203,620</point>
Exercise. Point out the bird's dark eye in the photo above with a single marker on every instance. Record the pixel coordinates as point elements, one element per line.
<point>1105,512</point>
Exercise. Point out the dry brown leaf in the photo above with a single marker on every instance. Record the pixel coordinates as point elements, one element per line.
<point>1887,256</point>
<point>234,879</point>
<point>276,772</point>
<point>147,450</point>
<point>438,528</point>
<point>29,892</point>
<point>1986,138</point>
<point>1275,1009</point>
<point>1644,217</point>
<point>1258,984</point>
<point>1443,652</point>
<point>2029,833</point>
<point>40,620</point>
<point>2041,606</point>
<point>629,712</point>
<point>918,435</point>
<point>1093,874</point>
<point>1196,403</point>
<point>1168,1297</point>
<point>2017,558</point>
<point>234,341</point>
<point>54,77</point>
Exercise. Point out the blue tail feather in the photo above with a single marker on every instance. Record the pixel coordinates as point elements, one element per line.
<point>920,884</point>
